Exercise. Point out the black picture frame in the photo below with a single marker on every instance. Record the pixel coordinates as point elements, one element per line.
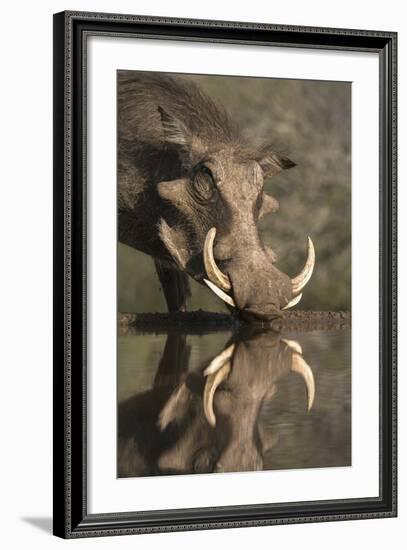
<point>71,518</point>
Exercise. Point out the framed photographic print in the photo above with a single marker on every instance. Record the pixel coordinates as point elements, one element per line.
<point>224,274</point>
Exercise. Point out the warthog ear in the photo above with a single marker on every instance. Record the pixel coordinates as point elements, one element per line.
<point>271,163</point>
<point>175,131</point>
<point>177,134</point>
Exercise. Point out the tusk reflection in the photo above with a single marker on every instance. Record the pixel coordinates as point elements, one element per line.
<point>300,366</point>
<point>219,360</point>
<point>212,382</point>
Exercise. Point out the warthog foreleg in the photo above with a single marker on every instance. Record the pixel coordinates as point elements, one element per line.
<point>175,286</point>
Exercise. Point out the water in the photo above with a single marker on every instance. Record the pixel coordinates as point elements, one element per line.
<point>250,414</point>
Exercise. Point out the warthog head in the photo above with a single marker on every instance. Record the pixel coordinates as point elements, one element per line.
<point>220,199</point>
<point>185,168</point>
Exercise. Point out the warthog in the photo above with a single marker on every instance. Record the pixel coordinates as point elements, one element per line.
<point>207,421</point>
<point>190,194</point>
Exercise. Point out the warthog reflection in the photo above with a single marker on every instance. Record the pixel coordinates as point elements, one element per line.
<point>207,421</point>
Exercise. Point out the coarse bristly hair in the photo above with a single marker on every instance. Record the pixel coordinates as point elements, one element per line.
<point>141,94</point>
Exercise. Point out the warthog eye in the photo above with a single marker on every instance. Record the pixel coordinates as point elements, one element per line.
<point>204,184</point>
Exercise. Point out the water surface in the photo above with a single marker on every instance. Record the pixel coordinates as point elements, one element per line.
<point>250,413</point>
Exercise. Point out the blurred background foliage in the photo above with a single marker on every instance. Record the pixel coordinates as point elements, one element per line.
<point>309,121</point>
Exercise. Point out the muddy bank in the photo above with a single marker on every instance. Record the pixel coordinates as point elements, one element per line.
<point>202,322</point>
<point>313,320</point>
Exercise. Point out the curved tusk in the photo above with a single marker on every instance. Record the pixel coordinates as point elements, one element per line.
<point>219,360</point>
<point>293,302</point>
<point>212,270</point>
<point>302,368</point>
<point>219,292</point>
<point>212,383</point>
<point>299,282</point>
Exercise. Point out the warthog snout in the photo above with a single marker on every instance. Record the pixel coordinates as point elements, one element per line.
<point>251,284</point>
